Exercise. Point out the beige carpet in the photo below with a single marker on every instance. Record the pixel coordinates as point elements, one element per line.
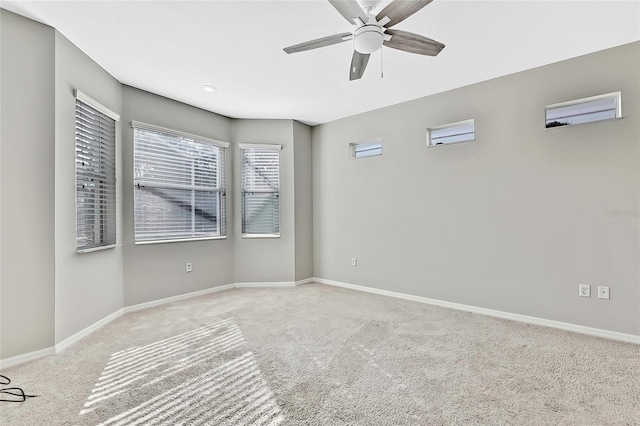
<point>318,355</point>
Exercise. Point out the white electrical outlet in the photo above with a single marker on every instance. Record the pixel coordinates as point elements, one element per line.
<point>187,267</point>
<point>603,292</point>
<point>584,290</point>
<point>354,261</point>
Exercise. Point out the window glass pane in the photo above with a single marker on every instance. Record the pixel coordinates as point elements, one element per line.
<point>362,150</point>
<point>453,133</point>
<point>163,213</point>
<point>583,111</point>
<point>261,170</point>
<point>261,213</point>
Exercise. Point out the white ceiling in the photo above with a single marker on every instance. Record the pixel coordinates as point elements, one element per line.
<point>172,48</point>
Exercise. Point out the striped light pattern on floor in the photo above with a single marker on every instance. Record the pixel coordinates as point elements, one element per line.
<point>233,393</point>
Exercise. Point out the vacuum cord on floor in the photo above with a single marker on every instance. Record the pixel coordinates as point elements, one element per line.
<point>18,393</point>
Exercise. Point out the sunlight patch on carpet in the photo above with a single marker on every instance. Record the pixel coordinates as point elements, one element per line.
<point>207,383</point>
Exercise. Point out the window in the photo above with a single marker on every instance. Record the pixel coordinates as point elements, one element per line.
<point>95,175</point>
<point>260,190</point>
<point>365,149</point>
<point>462,131</point>
<point>586,110</point>
<point>179,185</point>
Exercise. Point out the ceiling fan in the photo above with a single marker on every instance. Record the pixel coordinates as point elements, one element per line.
<point>374,31</point>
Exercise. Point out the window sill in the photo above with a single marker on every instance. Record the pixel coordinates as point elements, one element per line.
<point>582,124</point>
<point>92,249</point>
<point>260,236</point>
<point>449,143</point>
<point>181,240</point>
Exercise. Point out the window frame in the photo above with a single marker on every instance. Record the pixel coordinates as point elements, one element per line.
<point>353,148</point>
<point>615,96</point>
<point>109,237</point>
<point>221,189</point>
<point>453,125</point>
<point>248,146</point>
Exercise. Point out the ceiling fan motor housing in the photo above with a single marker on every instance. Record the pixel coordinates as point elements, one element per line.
<point>368,39</point>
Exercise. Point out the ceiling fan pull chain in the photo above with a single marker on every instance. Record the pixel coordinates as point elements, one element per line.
<point>381,68</point>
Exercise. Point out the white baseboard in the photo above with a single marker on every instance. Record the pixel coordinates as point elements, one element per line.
<point>274,284</point>
<point>20,359</point>
<point>159,302</point>
<point>69,341</point>
<point>31,356</point>
<point>87,331</point>
<point>265,284</point>
<point>614,335</point>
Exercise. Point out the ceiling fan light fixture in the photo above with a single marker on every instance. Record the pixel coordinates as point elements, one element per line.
<point>368,39</point>
<point>374,31</point>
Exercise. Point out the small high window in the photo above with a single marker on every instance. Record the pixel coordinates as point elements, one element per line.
<point>365,149</point>
<point>461,131</point>
<point>586,110</point>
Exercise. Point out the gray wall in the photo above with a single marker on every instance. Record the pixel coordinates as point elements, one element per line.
<point>88,286</point>
<point>266,259</point>
<point>303,201</point>
<point>156,271</point>
<point>48,291</point>
<point>512,222</point>
<point>26,185</point>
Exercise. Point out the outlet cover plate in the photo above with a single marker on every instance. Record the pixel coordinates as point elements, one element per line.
<point>188,267</point>
<point>603,292</point>
<point>584,290</point>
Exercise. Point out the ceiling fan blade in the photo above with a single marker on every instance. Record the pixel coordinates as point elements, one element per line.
<point>399,10</point>
<point>350,9</point>
<point>319,42</point>
<point>358,64</point>
<point>413,43</point>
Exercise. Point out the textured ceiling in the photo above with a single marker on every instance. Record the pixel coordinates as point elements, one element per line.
<point>172,48</point>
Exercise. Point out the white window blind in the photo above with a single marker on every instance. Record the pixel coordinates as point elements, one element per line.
<point>462,131</point>
<point>95,175</point>
<point>260,190</point>
<point>179,181</point>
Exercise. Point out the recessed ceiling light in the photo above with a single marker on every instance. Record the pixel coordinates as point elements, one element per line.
<point>209,88</point>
